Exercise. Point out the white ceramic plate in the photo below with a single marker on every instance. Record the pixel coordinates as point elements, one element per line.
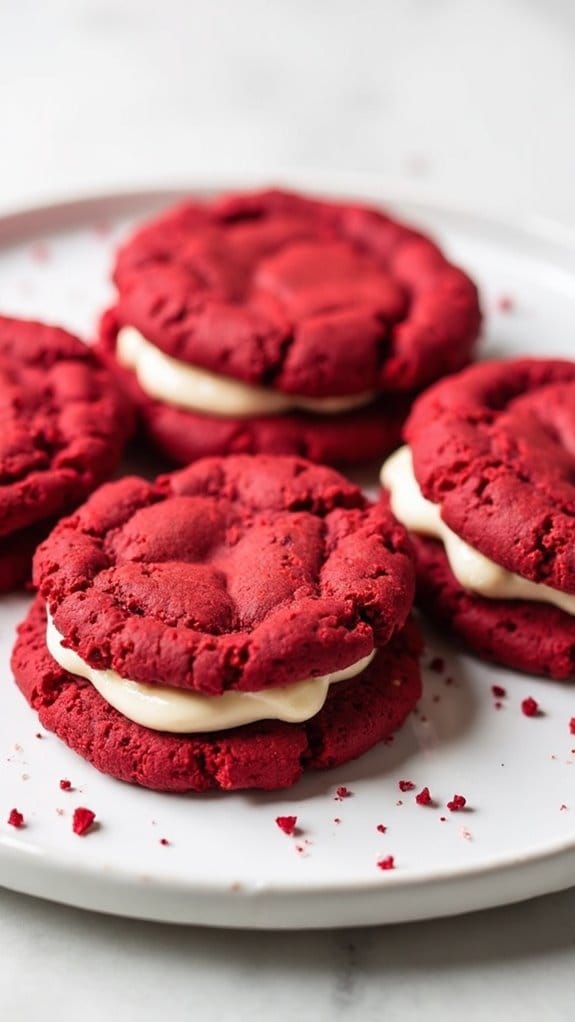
<point>227,863</point>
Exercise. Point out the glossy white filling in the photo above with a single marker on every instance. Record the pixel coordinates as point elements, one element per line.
<point>183,712</point>
<point>178,383</point>
<point>473,570</point>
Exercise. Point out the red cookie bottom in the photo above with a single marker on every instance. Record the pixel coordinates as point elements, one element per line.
<point>347,439</point>
<point>356,716</point>
<point>531,637</point>
<point>350,438</point>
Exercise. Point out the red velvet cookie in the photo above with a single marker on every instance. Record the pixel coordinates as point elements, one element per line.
<point>235,574</point>
<point>64,423</point>
<point>531,637</point>
<point>300,297</point>
<point>494,448</point>
<point>356,716</point>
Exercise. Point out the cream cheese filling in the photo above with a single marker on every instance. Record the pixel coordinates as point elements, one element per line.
<point>182,712</point>
<point>178,383</point>
<point>473,570</point>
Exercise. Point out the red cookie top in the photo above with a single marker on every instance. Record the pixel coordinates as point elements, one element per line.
<point>495,447</point>
<point>63,422</point>
<point>235,573</point>
<point>308,297</point>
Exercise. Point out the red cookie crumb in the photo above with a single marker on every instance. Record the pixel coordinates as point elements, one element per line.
<point>381,828</point>
<point>342,792</point>
<point>38,735</point>
<point>443,819</point>
<point>83,820</point>
<point>437,664</point>
<point>287,824</point>
<point>562,807</point>
<point>530,707</point>
<point>65,785</point>
<point>406,785</point>
<point>457,802</point>
<point>572,726</point>
<point>16,819</point>
<point>336,819</point>
<point>387,863</point>
<point>164,841</point>
<point>423,798</point>
<point>505,303</point>
<point>498,691</point>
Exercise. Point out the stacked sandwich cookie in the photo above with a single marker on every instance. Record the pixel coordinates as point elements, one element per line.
<point>229,625</point>
<point>64,425</point>
<point>487,489</point>
<point>275,323</point>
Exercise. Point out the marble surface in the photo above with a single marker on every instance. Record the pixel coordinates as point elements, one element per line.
<point>452,99</point>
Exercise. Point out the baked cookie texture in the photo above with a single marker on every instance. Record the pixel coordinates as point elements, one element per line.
<point>234,574</point>
<point>307,298</point>
<point>494,447</point>
<point>64,425</point>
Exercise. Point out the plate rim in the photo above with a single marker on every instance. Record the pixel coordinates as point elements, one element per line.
<point>534,230</point>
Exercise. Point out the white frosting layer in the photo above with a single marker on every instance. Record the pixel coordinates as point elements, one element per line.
<point>182,712</point>
<point>472,569</point>
<point>187,386</point>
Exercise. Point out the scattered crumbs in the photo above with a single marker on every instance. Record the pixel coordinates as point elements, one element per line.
<point>437,664</point>
<point>18,748</point>
<point>387,863</point>
<point>465,833</point>
<point>406,785</point>
<point>563,807</point>
<point>457,802</point>
<point>399,802</point>
<point>302,847</point>
<point>436,698</point>
<point>83,820</point>
<point>505,303</point>
<point>25,777</point>
<point>287,824</point>
<point>59,812</point>
<point>449,681</point>
<point>381,828</point>
<point>530,707</point>
<point>442,819</point>
<point>65,784</point>
<point>572,726</point>
<point>423,798</point>
<point>423,718</point>
<point>498,691</point>
<point>164,842</point>
<point>336,819</point>
<point>553,756</point>
<point>16,819</point>
<point>498,704</point>
<point>342,792</point>
<point>38,735</point>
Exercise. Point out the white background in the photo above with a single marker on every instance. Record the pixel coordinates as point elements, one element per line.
<point>468,102</point>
